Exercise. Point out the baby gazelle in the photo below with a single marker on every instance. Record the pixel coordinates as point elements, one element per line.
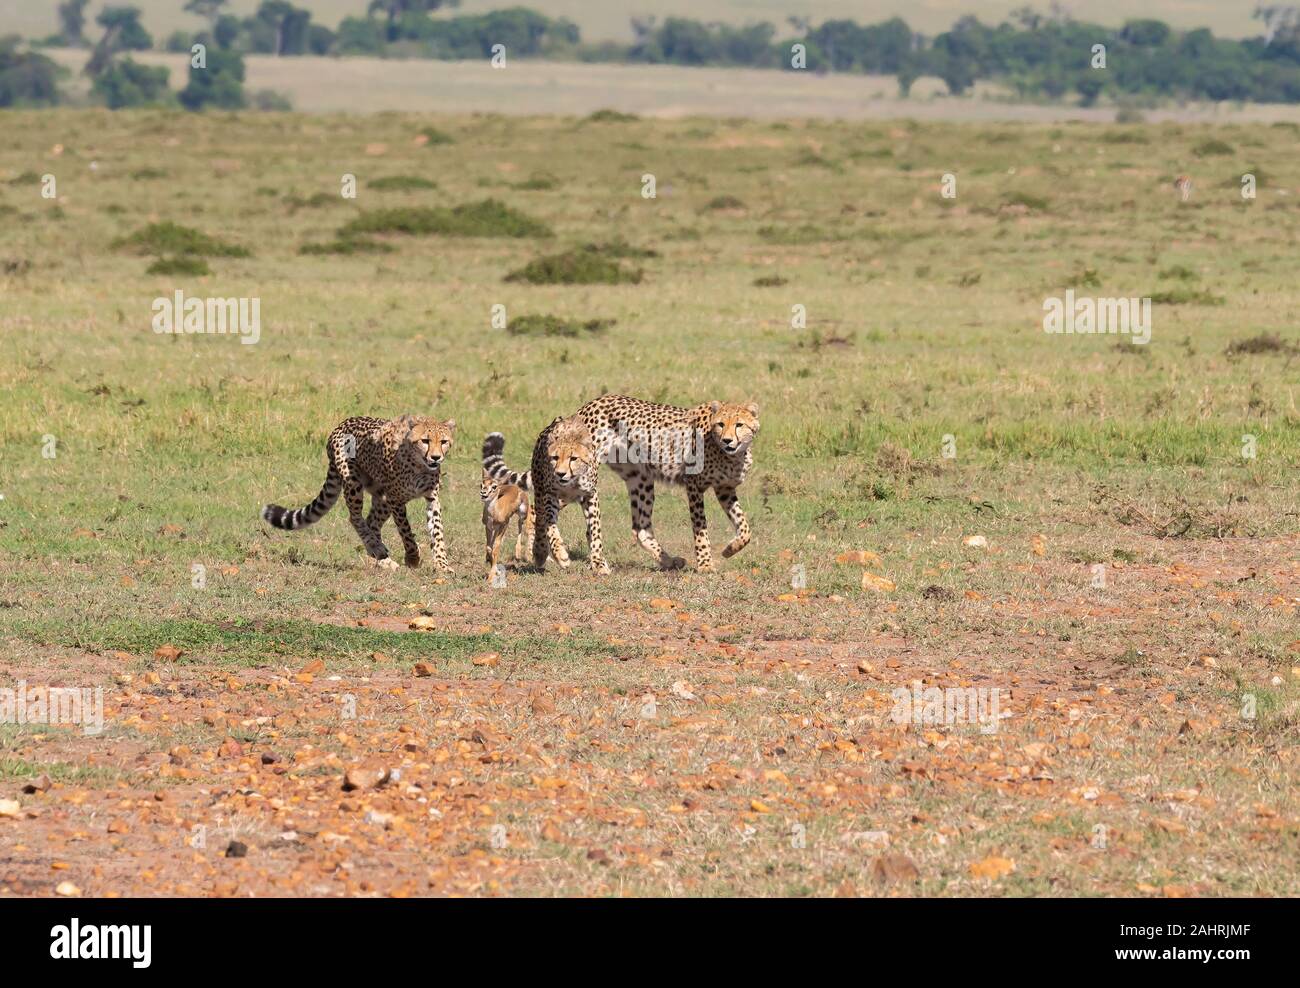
<point>501,502</point>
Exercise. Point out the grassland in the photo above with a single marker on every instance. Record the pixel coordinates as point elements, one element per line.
<point>768,763</point>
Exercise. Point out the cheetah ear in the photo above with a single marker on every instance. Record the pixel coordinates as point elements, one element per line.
<point>714,406</point>
<point>752,408</point>
<point>451,425</point>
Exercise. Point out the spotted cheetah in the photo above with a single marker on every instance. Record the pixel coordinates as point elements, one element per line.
<point>708,446</point>
<point>563,470</point>
<point>397,461</point>
<point>501,502</point>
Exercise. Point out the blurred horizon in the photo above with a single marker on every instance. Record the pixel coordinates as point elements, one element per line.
<point>611,19</point>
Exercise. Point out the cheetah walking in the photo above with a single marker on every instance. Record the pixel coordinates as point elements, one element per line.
<point>396,460</point>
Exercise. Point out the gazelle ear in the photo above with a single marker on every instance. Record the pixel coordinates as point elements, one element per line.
<point>714,406</point>
<point>451,425</point>
<point>752,408</point>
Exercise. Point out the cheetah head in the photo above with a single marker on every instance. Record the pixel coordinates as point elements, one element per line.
<point>733,427</point>
<point>427,441</point>
<point>570,450</point>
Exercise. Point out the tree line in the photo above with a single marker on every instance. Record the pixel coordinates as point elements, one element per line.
<point>1048,56</point>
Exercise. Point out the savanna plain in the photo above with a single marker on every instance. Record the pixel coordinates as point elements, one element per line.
<point>943,494</point>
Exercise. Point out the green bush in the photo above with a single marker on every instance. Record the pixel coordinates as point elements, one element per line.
<point>127,83</point>
<point>220,85</point>
<point>489,218</point>
<point>179,265</point>
<point>400,183</point>
<point>350,245</point>
<point>547,325</point>
<point>580,266</point>
<point>167,238</point>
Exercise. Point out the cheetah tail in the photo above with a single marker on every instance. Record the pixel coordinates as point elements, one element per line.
<point>314,512</point>
<point>495,465</point>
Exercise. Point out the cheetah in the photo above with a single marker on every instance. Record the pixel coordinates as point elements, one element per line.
<point>701,448</point>
<point>396,460</point>
<point>563,470</point>
<point>501,502</point>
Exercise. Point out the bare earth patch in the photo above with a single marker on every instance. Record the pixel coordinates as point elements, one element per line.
<point>693,758</point>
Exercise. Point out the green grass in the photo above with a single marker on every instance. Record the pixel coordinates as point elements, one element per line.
<point>237,641</point>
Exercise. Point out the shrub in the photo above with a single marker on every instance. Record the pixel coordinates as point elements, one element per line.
<point>400,183</point>
<point>1263,343</point>
<point>724,202</point>
<point>580,266</point>
<point>547,325</point>
<point>179,265</point>
<point>1186,296</point>
<point>1031,202</point>
<point>169,238</point>
<point>1212,147</point>
<point>434,137</point>
<point>27,78</point>
<point>350,245</point>
<point>610,116</point>
<point>220,85</point>
<point>770,281</point>
<point>488,218</point>
<point>538,182</point>
<point>127,83</point>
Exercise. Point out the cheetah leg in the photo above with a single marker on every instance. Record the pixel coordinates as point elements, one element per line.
<point>591,510</point>
<point>354,495</point>
<point>727,498</point>
<point>409,544</point>
<point>546,536</point>
<point>641,495</point>
<point>434,517</point>
<point>700,526</point>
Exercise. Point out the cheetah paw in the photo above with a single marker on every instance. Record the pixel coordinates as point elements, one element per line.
<point>672,562</point>
<point>413,560</point>
<point>388,562</point>
<point>601,567</point>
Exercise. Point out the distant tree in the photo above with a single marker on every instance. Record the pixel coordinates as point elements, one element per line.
<point>226,31</point>
<point>1279,19</point>
<point>1089,86</point>
<point>396,10</point>
<point>284,27</point>
<point>320,39</point>
<point>909,70</point>
<point>72,23</point>
<point>209,10</point>
<point>1145,33</point>
<point>122,32</point>
<point>127,83</point>
<point>360,36</point>
<point>220,85</point>
<point>26,78</point>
